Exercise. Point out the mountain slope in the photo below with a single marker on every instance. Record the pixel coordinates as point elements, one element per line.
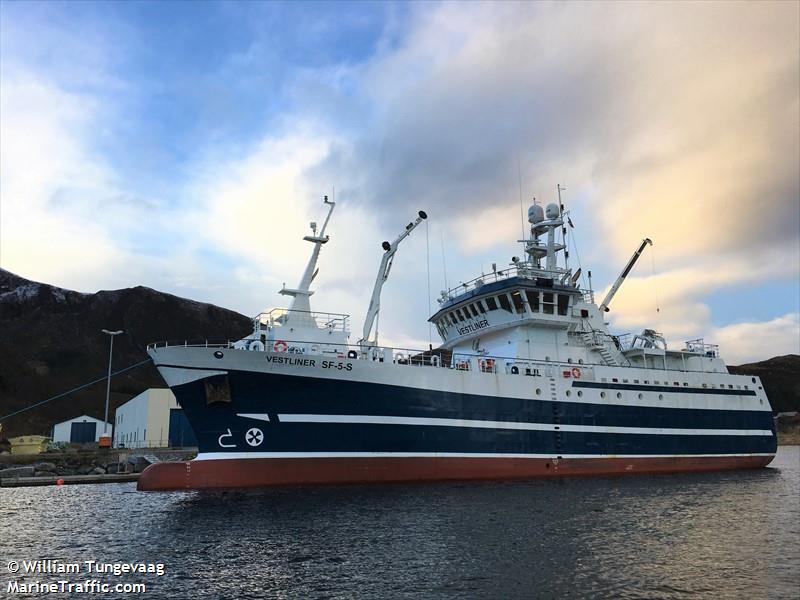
<point>50,342</point>
<point>781,379</point>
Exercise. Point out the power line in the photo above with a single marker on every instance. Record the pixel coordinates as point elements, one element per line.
<point>80,387</point>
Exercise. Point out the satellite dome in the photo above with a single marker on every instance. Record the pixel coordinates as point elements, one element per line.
<point>535,214</point>
<point>552,211</point>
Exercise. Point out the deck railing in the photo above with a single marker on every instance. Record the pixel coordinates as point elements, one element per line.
<point>278,317</point>
<point>427,358</point>
<point>521,271</point>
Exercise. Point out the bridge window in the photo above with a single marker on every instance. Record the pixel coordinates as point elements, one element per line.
<point>459,315</point>
<point>479,304</point>
<point>516,298</point>
<point>453,318</point>
<point>547,303</point>
<point>491,303</point>
<point>563,303</point>
<point>473,310</point>
<point>533,300</point>
<point>504,303</point>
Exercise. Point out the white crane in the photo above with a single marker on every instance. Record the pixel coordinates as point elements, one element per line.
<point>383,275</point>
<point>624,274</point>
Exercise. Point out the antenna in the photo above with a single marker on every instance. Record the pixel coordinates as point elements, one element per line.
<point>563,227</point>
<point>521,217</point>
<point>428,262</point>
<point>444,260</point>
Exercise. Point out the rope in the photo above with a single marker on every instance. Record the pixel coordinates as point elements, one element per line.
<point>653,274</point>
<point>80,387</point>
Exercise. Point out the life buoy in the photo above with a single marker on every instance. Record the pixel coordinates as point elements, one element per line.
<point>280,346</point>
<point>576,372</point>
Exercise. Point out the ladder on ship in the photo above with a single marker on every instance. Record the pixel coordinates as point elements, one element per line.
<point>595,340</point>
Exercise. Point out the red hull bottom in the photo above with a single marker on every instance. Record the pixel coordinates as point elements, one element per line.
<point>261,472</point>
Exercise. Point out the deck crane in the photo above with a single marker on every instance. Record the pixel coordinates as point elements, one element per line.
<point>624,274</point>
<point>383,275</point>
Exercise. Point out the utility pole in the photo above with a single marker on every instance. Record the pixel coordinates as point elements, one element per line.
<point>105,442</point>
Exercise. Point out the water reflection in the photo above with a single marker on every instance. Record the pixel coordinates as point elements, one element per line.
<point>731,534</point>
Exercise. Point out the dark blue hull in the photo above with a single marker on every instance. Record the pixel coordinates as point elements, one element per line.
<point>306,415</point>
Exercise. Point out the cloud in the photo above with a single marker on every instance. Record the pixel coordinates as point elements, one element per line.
<point>43,160</point>
<point>673,121</point>
<point>742,343</point>
<point>681,118</point>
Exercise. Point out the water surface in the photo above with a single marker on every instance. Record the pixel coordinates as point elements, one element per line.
<point>721,535</point>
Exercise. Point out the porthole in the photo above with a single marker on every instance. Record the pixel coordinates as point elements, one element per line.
<point>569,393</point>
<point>538,391</point>
<point>640,396</point>
<point>661,396</point>
<point>580,361</point>
<point>619,394</point>
<point>569,360</point>
<point>602,394</point>
<point>218,354</point>
<point>580,394</point>
<point>753,379</point>
<point>761,401</point>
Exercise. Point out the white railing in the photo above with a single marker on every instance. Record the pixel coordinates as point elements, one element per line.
<point>521,271</point>
<point>699,346</point>
<point>425,358</point>
<point>278,317</point>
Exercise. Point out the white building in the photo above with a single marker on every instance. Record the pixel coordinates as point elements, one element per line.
<point>153,419</point>
<point>80,430</point>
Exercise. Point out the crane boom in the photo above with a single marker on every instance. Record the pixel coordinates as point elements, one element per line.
<point>383,275</point>
<point>624,274</point>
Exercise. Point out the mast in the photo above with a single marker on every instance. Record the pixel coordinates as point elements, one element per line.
<point>383,275</point>
<point>300,294</point>
<point>624,274</point>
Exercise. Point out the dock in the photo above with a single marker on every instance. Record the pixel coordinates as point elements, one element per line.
<point>67,479</point>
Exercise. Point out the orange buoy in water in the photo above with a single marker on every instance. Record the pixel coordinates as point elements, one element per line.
<point>59,482</point>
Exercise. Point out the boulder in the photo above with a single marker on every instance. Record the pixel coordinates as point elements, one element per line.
<point>17,472</point>
<point>84,469</point>
<point>45,474</point>
<point>44,466</point>
<point>112,468</point>
<point>98,471</point>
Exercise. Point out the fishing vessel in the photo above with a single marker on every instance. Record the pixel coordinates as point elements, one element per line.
<point>528,382</point>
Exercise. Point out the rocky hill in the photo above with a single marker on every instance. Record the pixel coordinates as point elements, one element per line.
<point>51,341</point>
<point>781,379</point>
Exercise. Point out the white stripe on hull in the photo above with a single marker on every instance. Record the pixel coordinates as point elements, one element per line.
<point>300,455</point>
<point>480,424</point>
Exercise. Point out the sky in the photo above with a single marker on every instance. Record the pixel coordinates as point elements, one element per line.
<point>186,146</point>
